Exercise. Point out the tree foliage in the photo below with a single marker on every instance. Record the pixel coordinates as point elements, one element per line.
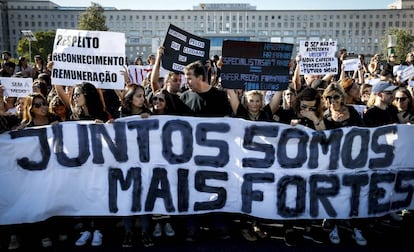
<point>404,42</point>
<point>93,19</point>
<point>43,46</point>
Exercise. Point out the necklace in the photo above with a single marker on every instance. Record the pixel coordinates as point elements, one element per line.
<point>253,116</point>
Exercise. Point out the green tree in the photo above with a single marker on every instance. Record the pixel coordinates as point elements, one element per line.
<point>404,43</point>
<point>43,46</point>
<point>93,19</point>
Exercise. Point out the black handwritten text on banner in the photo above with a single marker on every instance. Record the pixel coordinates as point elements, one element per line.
<point>166,165</point>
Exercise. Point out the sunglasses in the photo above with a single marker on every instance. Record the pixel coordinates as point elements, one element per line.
<point>335,97</point>
<point>400,99</point>
<point>155,98</point>
<point>38,104</point>
<point>311,108</point>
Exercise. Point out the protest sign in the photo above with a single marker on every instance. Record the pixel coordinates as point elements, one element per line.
<point>255,65</point>
<point>96,57</point>
<point>318,57</point>
<point>397,69</point>
<point>16,87</point>
<point>351,64</point>
<point>183,48</point>
<point>407,73</point>
<point>137,73</point>
<point>186,165</point>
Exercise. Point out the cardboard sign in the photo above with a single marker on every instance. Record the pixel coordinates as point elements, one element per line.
<point>16,87</point>
<point>183,48</point>
<point>255,65</point>
<point>318,57</point>
<point>96,57</point>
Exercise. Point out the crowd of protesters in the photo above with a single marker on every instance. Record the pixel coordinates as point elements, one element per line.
<point>318,102</point>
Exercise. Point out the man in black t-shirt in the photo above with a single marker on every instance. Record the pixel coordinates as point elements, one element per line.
<point>382,112</point>
<point>203,99</point>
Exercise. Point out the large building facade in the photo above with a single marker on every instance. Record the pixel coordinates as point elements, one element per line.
<point>359,31</point>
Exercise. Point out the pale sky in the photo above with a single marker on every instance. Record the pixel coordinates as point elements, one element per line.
<point>260,4</point>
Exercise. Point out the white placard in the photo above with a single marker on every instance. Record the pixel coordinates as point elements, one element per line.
<point>17,87</point>
<point>97,57</point>
<point>318,57</point>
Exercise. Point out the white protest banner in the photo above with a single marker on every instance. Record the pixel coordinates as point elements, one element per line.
<point>137,73</point>
<point>16,87</point>
<point>351,64</point>
<point>318,57</point>
<point>396,70</point>
<point>407,73</point>
<point>189,165</point>
<point>97,57</point>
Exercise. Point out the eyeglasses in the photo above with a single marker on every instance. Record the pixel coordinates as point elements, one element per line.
<point>76,95</point>
<point>335,97</point>
<point>311,108</point>
<point>155,98</point>
<point>38,104</point>
<point>400,99</point>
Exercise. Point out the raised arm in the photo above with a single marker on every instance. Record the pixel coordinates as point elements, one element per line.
<point>65,97</point>
<point>296,80</point>
<point>233,99</point>
<point>275,101</point>
<point>155,73</point>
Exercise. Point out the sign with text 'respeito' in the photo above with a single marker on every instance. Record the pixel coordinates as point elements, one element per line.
<point>192,165</point>
<point>255,65</point>
<point>16,87</point>
<point>183,48</point>
<point>318,57</point>
<point>97,57</point>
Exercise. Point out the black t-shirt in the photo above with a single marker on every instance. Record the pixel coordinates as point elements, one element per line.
<point>179,107</point>
<point>213,103</point>
<point>353,120</point>
<point>378,117</point>
<point>264,115</point>
<point>9,122</point>
<point>284,115</point>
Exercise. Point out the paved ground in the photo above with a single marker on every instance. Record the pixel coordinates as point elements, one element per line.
<point>384,236</point>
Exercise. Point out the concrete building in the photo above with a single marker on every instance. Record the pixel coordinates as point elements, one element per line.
<point>359,31</point>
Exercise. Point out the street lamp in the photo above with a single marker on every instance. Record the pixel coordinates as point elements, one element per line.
<point>392,43</point>
<point>28,34</point>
